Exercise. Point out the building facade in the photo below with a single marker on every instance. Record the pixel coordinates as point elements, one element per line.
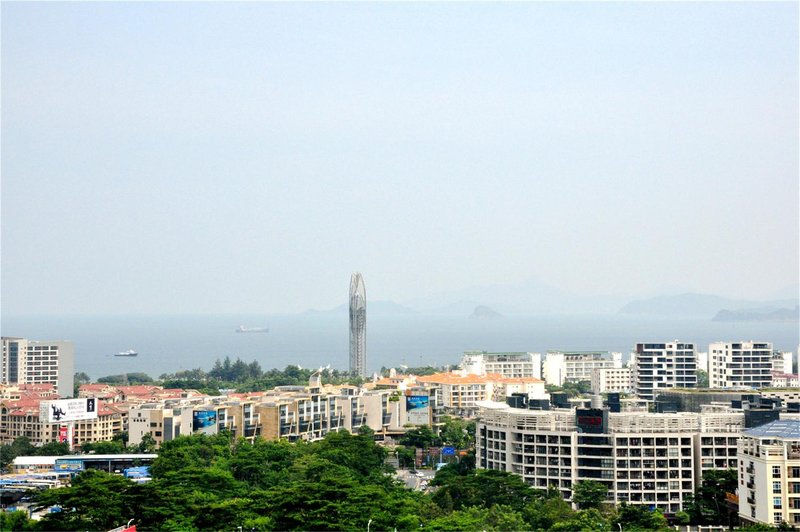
<point>664,365</point>
<point>358,326</point>
<point>26,361</point>
<point>612,380</point>
<point>740,364</point>
<point>642,458</point>
<point>575,366</point>
<point>511,365</point>
<point>769,473</point>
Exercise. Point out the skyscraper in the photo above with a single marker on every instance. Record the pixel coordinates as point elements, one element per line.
<point>26,361</point>
<point>358,325</point>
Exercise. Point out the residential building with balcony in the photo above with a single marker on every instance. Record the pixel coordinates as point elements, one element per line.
<point>663,365</point>
<point>575,366</point>
<point>510,365</point>
<point>740,364</point>
<point>769,473</point>
<point>649,459</point>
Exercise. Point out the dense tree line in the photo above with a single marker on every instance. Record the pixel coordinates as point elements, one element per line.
<point>339,483</point>
<point>227,374</point>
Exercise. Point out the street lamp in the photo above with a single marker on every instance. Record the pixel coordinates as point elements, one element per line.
<point>369,523</point>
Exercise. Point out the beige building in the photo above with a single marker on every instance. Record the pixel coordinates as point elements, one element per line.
<point>460,393</point>
<point>769,473</point>
<point>612,380</point>
<point>19,416</point>
<point>26,361</point>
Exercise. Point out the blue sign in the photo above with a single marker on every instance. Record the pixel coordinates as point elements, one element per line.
<point>449,450</point>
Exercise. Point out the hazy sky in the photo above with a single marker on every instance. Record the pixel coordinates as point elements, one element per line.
<point>247,157</point>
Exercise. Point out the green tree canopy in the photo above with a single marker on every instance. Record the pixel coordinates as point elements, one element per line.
<point>589,494</point>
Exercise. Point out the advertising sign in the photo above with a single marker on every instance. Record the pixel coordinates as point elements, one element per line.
<point>418,410</point>
<point>63,434</point>
<point>448,451</point>
<point>68,464</point>
<point>204,421</point>
<point>68,410</point>
<point>591,420</point>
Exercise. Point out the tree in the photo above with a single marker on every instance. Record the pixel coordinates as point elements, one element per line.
<point>590,520</point>
<point>702,378</point>
<point>589,494</point>
<point>636,517</point>
<point>21,446</point>
<point>79,378</point>
<point>708,506</point>
<point>457,432</point>
<point>94,501</point>
<point>484,488</point>
<point>148,443</point>
<point>421,437</point>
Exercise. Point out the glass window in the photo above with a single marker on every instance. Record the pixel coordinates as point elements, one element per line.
<point>776,502</point>
<point>776,471</point>
<point>776,487</point>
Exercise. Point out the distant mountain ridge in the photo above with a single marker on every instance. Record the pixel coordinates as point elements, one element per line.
<point>759,314</point>
<point>692,304</point>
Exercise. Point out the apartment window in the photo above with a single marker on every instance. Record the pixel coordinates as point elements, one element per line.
<point>776,487</point>
<point>776,503</point>
<point>776,471</point>
<point>778,517</point>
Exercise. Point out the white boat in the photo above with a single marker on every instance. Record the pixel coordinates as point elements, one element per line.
<point>243,329</point>
<point>128,353</point>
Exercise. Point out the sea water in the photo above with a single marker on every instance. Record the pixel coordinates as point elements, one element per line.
<point>171,343</point>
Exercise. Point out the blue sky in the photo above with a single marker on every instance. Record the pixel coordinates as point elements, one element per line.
<point>247,157</point>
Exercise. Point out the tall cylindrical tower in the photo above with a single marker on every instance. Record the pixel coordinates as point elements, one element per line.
<point>358,325</point>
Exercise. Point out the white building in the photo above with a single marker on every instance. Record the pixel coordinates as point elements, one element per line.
<point>575,366</point>
<point>649,459</point>
<point>702,361</point>
<point>664,365</point>
<point>783,361</point>
<point>26,361</point>
<point>511,365</point>
<point>740,365</point>
<point>612,380</point>
<point>769,473</point>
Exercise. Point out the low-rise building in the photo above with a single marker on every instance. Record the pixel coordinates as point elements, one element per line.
<point>612,380</point>
<point>511,365</point>
<point>575,366</point>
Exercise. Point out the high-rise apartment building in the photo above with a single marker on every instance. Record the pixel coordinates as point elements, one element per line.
<point>358,325</point>
<point>740,364</point>
<point>664,365</point>
<point>26,361</point>
<point>655,460</point>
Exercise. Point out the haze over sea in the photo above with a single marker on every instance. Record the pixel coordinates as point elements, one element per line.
<point>170,343</point>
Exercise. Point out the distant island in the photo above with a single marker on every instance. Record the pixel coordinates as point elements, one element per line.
<point>759,314</point>
<point>482,312</point>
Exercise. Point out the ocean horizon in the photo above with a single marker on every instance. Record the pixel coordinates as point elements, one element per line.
<point>167,344</point>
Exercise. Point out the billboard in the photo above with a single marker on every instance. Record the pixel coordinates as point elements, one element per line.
<point>204,421</point>
<point>68,464</point>
<point>418,411</point>
<point>65,410</point>
<point>591,420</point>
